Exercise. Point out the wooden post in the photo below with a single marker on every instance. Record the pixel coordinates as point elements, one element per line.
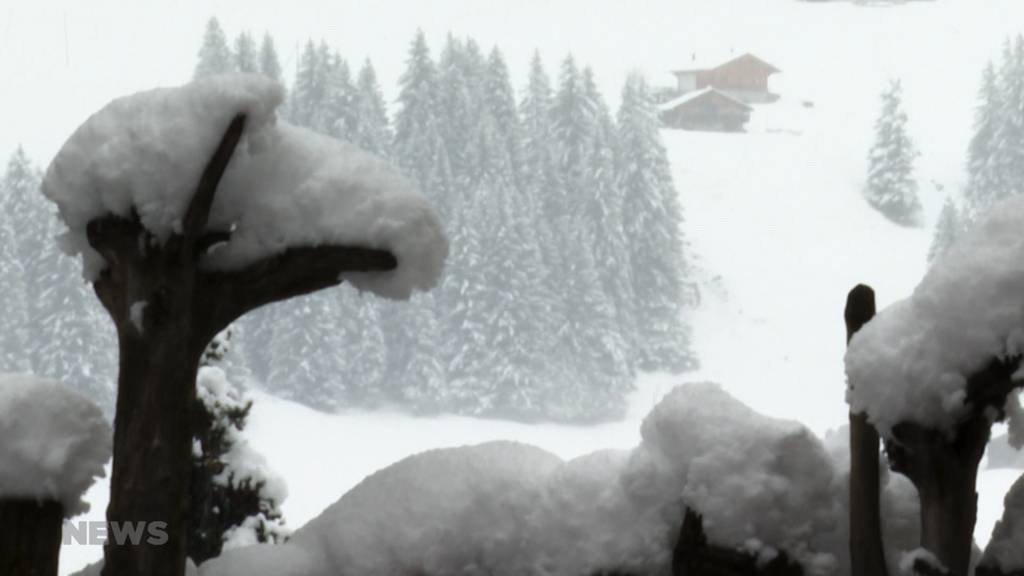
<point>867,556</point>
<point>30,537</point>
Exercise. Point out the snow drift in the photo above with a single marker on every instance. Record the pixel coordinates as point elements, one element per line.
<point>507,508</point>
<point>53,442</point>
<point>912,361</point>
<point>285,186</point>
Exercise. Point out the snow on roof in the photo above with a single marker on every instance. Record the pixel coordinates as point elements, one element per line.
<point>696,95</point>
<point>711,61</point>
<point>285,186</point>
<point>912,361</point>
<point>53,442</point>
<point>509,508</point>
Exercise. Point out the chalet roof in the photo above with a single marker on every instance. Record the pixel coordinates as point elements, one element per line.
<point>701,65</point>
<point>699,94</point>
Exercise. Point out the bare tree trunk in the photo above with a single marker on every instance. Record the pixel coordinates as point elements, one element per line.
<point>152,448</point>
<point>30,537</point>
<point>867,555</point>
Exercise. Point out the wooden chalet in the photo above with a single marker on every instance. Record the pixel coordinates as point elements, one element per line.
<point>744,78</point>
<point>707,109</point>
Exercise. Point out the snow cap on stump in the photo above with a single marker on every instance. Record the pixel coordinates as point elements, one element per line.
<point>912,361</point>
<point>53,442</point>
<point>284,187</point>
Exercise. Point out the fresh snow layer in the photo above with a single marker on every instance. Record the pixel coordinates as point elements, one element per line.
<point>912,361</point>
<point>510,508</point>
<point>53,442</point>
<point>285,186</point>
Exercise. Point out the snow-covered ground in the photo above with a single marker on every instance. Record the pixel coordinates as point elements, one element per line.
<point>775,215</point>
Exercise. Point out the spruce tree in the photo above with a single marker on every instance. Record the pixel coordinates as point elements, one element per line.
<point>303,353</point>
<point>337,113</point>
<point>270,66</point>
<point>374,130</point>
<point>947,231</point>
<point>245,56</point>
<point>214,55</point>
<point>653,220</point>
<point>361,358</point>
<point>19,180</point>
<point>982,178</point>
<point>1008,148</point>
<point>308,91</point>
<point>891,188</point>
<point>603,213</point>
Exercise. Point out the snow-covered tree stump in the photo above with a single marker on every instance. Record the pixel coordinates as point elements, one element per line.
<point>166,311</point>
<point>694,556</point>
<point>30,536</point>
<point>178,244</point>
<point>53,445</point>
<point>867,555</point>
<point>944,467</point>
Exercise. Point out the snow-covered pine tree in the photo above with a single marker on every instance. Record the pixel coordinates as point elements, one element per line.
<point>415,368</point>
<point>374,130</point>
<point>415,373</point>
<point>214,55</point>
<point>362,356</point>
<point>947,230</point>
<point>245,56</point>
<point>603,212</point>
<point>542,185</point>
<point>982,179</point>
<point>304,362</point>
<point>270,66</point>
<point>458,116</point>
<point>418,144</point>
<point>1008,150</point>
<point>337,114</point>
<point>307,95</point>
<point>590,331</point>
<point>653,222</point>
<point>74,341</point>
<point>19,179</point>
<point>234,499</point>
<point>891,187</point>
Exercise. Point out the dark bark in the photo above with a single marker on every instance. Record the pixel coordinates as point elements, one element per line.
<point>185,307</point>
<point>30,537</point>
<point>867,554</point>
<point>944,467</point>
<point>693,556</point>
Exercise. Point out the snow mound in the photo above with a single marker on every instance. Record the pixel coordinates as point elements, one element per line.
<point>53,442</point>
<point>285,186</point>
<point>1006,549</point>
<point>912,361</point>
<point>508,508</point>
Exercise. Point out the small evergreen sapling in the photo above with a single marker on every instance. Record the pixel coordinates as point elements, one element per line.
<point>891,188</point>
<point>234,502</point>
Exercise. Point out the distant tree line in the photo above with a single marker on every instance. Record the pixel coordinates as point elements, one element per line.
<point>568,271</point>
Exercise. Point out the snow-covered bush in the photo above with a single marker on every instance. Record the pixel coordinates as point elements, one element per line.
<point>53,442</point>
<point>235,497</point>
<point>506,508</point>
